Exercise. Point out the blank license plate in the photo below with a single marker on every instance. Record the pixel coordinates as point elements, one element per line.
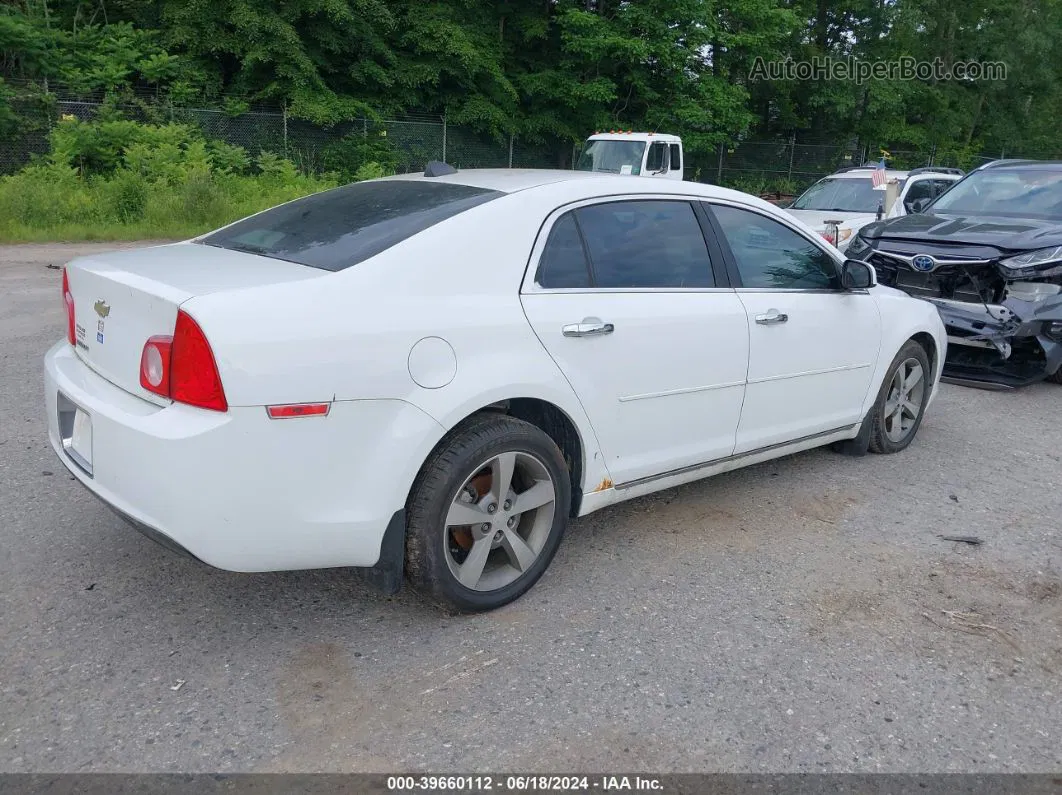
<point>75,429</point>
<point>81,441</point>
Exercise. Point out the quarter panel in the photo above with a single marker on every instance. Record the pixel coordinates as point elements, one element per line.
<point>348,335</point>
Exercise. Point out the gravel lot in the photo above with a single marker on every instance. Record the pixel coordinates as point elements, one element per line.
<point>802,615</point>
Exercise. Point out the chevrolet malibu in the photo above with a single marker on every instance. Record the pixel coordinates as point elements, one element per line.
<point>427,376</point>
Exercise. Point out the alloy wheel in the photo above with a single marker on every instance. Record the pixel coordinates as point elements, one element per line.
<point>499,521</point>
<point>904,400</point>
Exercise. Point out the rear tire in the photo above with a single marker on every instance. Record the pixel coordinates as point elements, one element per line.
<point>1057,377</point>
<point>486,514</point>
<point>901,404</point>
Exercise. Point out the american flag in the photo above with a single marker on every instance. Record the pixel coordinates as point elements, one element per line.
<point>878,177</point>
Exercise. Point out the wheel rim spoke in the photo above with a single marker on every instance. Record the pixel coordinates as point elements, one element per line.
<point>508,503</point>
<point>913,378</point>
<point>471,570</point>
<point>895,424</point>
<point>520,554</point>
<point>502,469</point>
<point>904,400</point>
<point>535,497</point>
<point>463,513</point>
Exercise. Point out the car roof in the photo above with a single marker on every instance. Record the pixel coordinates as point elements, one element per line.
<point>864,173</point>
<point>505,180</point>
<point>1052,165</point>
<point>585,183</point>
<point>666,138</point>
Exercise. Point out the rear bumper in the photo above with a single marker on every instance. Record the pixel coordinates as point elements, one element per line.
<point>157,536</point>
<point>238,490</point>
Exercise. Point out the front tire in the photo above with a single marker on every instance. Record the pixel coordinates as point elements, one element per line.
<point>901,402</point>
<point>486,514</point>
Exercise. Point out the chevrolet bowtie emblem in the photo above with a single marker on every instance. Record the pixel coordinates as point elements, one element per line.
<point>102,308</point>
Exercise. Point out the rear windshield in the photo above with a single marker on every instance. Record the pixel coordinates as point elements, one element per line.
<point>344,226</point>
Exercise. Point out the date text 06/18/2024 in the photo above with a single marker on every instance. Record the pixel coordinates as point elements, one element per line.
<point>491,783</point>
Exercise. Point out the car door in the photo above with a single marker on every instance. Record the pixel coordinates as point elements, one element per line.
<point>813,345</point>
<point>623,295</point>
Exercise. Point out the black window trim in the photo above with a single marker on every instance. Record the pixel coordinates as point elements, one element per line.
<point>731,261</point>
<point>716,255</point>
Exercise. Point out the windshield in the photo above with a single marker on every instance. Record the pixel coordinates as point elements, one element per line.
<point>1023,193</point>
<point>846,194</point>
<point>615,157</point>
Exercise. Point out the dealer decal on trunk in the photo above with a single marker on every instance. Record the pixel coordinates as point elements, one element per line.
<point>103,309</point>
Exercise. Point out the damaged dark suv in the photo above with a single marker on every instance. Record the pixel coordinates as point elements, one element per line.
<point>988,254</point>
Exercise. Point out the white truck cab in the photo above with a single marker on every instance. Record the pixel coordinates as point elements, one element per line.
<point>647,154</point>
<point>839,205</point>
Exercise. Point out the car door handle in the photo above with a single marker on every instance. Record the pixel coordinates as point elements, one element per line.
<point>771,317</point>
<point>590,327</point>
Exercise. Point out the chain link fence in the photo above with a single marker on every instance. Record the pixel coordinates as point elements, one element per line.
<point>784,166</point>
<point>789,166</point>
<point>410,141</point>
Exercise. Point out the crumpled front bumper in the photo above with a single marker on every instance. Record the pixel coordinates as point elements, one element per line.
<point>1005,345</point>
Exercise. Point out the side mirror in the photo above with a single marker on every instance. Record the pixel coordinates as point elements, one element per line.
<point>918,205</point>
<point>857,275</point>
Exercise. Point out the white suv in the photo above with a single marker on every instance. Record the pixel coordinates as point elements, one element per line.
<point>849,201</point>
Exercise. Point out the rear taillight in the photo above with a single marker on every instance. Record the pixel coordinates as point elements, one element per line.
<point>182,367</point>
<point>155,365</point>
<point>68,302</point>
<point>194,377</point>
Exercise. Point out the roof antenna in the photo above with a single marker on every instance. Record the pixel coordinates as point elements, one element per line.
<point>437,168</point>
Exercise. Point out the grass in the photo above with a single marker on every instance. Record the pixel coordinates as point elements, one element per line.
<point>47,203</point>
<point>81,233</point>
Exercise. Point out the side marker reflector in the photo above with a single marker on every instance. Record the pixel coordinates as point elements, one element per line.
<point>293,410</point>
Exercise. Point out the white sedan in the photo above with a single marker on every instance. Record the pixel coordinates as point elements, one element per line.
<point>429,375</point>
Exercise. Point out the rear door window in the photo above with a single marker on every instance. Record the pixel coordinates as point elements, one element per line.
<point>339,228</point>
<point>645,245</point>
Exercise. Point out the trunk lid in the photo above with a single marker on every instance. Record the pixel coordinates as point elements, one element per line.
<point>124,297</point>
